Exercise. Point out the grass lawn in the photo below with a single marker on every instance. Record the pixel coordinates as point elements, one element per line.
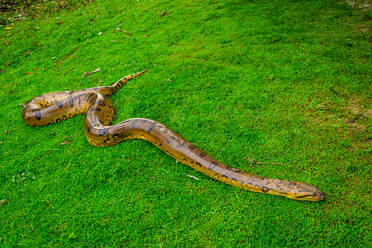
<point>249,82</point>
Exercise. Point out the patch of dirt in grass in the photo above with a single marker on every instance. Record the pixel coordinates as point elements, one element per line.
<point>363,5</point>
<point>351,122</point>
<point>13,11</point>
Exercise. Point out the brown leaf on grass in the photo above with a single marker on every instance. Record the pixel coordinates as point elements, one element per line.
<point>59,23</point>
<point>163,13</point>
<point>65,142</point>
<point>114,41</point>
<point>88,73</point>
<point>28,52</point>
<point>6,132</point>
<point>3,201</point>
<point>191,176</point>
<point>11,92</point>
<point>35,69</point>
<point>146,36</point>
<point>20,104</point>
<point>43,68</point>
<point>6,44</point>
<point>125,32</point>
<point>26,73</point>
<point>154,178</point>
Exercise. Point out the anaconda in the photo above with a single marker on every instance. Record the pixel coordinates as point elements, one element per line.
<point>97,108</point>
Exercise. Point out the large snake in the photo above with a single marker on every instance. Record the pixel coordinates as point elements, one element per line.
<point>97,108</point>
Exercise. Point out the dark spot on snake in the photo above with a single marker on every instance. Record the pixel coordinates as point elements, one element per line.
<point>95,88</point>
<point>89,96</point>
<point>102,132</point>
<point>224,176</point>
<point>38,115</point>
<point>151,127</point>
<point>191,147</point>
<point>180,145</point>
<point>264,189</point>
<point>70,115</point>
<point>59,104</point>
<point>234,179</point>
<point>71,101</point>
<point>58,120</point>
<point>198,164</point>
<point>171,138</point>
<point>64,117</point>
<point>202,154</point>
<point>134,123</point>
<point>96,109</point>
<point>102,104</point>
<point>89,129</point>
<point>115,136</point>
<point>212,165</point>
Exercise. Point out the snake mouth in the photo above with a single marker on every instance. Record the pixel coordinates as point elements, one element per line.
<point>316,196</point>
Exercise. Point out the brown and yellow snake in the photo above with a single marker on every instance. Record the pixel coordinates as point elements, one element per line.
<point>97,108</point>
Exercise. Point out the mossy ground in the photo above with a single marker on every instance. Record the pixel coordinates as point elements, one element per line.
<point>283,82</point>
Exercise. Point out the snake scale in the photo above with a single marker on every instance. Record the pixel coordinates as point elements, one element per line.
<point>97,108</point>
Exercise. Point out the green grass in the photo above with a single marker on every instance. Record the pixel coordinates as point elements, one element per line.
<point>271,81</point>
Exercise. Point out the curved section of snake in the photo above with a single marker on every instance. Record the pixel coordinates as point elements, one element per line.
<point>97,108</point>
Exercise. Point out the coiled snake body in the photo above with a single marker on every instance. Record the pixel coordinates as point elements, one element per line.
<point>97,108</point>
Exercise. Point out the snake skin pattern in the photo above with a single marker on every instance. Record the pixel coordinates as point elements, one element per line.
<point>97,108</point>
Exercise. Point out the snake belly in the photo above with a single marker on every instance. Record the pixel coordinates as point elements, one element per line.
<point>98,111</point>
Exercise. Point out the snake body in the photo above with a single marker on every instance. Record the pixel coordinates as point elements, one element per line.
<point>97,108</point>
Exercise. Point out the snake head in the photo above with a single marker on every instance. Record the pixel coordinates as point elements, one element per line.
<point>305,192</point>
